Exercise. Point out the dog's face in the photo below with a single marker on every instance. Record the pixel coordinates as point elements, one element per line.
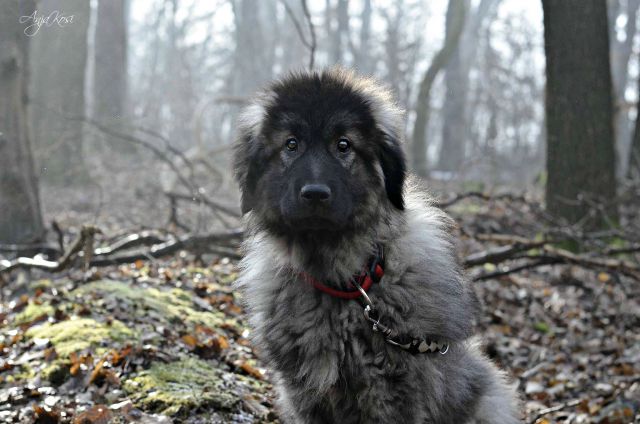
<point>319,152</point>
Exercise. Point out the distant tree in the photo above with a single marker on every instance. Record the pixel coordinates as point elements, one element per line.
<point>634,155</point>
<point>633,162</point>
<point>393,45</point>
<point>110,72</point>
<point>295,55</point>
<point>404,28</point>
<point>252,65</point>
<point>20,214</point>
<point>59,58</point>
<point>455,113</point>
<point>455,20</point>
<point>338,34</point>
<point>621,50</point>
<point>579,110</point>
<point>362,55</point>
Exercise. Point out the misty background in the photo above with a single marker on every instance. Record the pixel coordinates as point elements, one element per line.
<point>127,78</point>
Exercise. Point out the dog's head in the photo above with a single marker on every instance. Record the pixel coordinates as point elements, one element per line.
<point>320,152</point>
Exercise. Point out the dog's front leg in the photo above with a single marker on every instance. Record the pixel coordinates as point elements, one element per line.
<point>387,402</point>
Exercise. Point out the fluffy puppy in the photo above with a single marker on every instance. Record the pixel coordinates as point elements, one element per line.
<point>320,165</point>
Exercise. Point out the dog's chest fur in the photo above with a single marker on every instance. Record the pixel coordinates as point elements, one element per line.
<point>326,355</point>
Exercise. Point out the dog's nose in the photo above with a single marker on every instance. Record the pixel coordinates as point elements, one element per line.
<point>315,192</point>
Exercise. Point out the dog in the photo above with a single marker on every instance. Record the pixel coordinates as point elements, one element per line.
<point>350,278</point>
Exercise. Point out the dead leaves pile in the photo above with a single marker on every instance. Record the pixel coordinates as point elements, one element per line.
<point>569,337</point>
<point>38,384</point>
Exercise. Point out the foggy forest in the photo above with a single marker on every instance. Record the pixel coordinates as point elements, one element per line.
<point>120,218</point>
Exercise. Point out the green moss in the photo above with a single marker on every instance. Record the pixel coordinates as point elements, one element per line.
<point>24,372</point>
<point>33,311</point>
<point>56,372</point>
<point>229,278</point>
<point>179,387</point>
<point>466,208</point>
<point>570,245</point>
<point>173,305</point>
<point>43,284</point>
<point>77,334</point>
<point>542,327</point>
<point>472,186</point>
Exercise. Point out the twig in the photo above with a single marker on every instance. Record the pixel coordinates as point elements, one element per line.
<point>135,140</point>
<point>548,254</point>
<point>173,214</point>
<point>513,270</point>
<point>222,243</point>
<point>556,408</point>
<point>199,198</point>
<point>161,155</point>
<point>478,195</point>
<point>621,250</point>
<point>312,31</point>
<point>197,244</point>
<point>500,254</point>
<point>85,238</point>
<point>132,240</point>
<point>311,45</point>
<point>616,265</point>
<point>59,233</point>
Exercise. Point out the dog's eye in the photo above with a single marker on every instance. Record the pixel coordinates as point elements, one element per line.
<point>343,145</point>
<point>291,144</point>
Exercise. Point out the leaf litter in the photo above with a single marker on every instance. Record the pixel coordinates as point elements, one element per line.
<point>166,341</point>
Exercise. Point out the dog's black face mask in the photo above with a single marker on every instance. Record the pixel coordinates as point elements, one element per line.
<point>320,163</point>
<point>316,191</point>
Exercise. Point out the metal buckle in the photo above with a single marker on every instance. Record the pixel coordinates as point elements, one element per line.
<point>377,326</point>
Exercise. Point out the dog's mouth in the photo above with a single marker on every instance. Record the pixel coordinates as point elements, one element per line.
<point>314,223</point>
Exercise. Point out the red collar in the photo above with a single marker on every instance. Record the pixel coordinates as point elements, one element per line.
<point>373,272</point>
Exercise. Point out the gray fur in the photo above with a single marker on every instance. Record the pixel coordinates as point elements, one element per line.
<point>329,366</point>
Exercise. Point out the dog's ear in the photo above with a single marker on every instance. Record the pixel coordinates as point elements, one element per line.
<point>394,169</point>
<point>248,155</point>
<point>389,120</point>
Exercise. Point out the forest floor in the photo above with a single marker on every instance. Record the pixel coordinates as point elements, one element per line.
<point>165,341</point>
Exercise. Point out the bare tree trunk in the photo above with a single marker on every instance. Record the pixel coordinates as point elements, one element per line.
<point>392,47</point>
<point>456,12</point>
<point>20,214</point>
<point>579,110</point>
<point>249,54</point>
<point>455,113</point>
<point>620,54</point>
<point>110,77</point>
<point>341,34</point>
<point>633,162</point>
<point>59,58</point>
<point>363,54</point>
<point>454,110</point>
<point>294,53</point>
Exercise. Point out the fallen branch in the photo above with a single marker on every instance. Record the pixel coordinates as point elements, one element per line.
<point>478,195</point>
<point>545,254</point>
<point>30,249</point>
<point>555,408</point>
<point>500,254</point>
<point>208,243</point>
<point>223,243</point>
<point>507,271</point>
<point>84,239</point>
<point>615,265</point>
<point>144,238</point>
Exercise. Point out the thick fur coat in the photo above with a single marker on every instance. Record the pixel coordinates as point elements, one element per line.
<point>329,366</point>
